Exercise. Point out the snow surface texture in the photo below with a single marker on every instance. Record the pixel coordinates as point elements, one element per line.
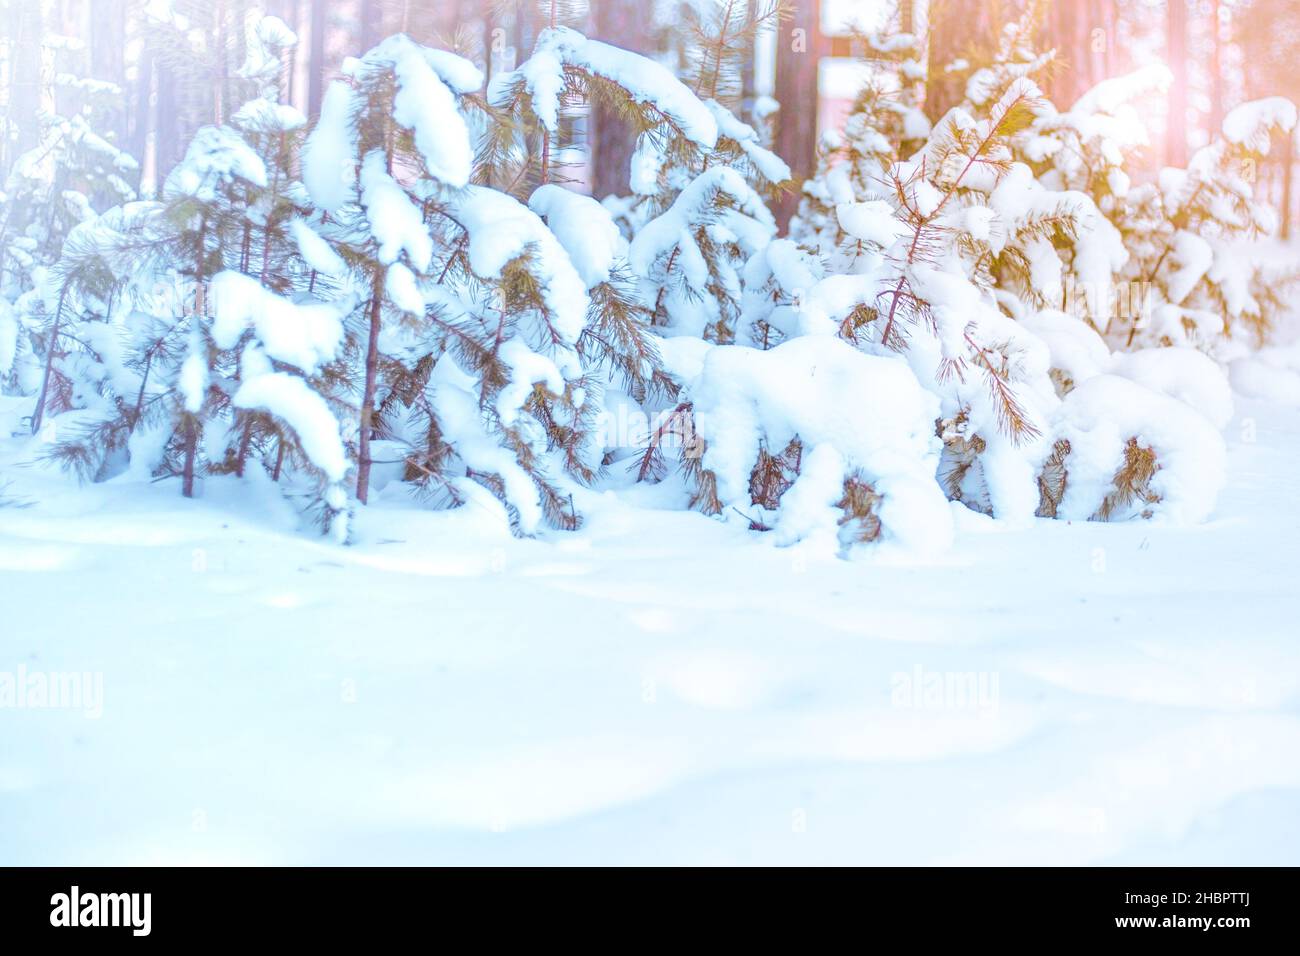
<point>656,688</point>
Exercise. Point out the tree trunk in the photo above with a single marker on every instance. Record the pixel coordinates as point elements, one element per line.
<point>289,14</point>
<point>191,418</point>
<point>316,58</point>
<point>107,57</point>
<point>800,47</point>
<point>371,13</point>
<point>617,22</point>
<point>221,100</point>
<point>1176,55</point>
<point>50,349</point>
<point>1080,32</point>
<point>245,443</point>
<point>166,130</point>
<point>140,109</point>
<point>25,28</point>
<point>68,19</point>
<point>1216,69</point>
<point>1288,171</point>
<point>191,452</point>
<point>526,27</point>
<point>1114,62</point>
<point>958,29</point>
<point>368,394</point>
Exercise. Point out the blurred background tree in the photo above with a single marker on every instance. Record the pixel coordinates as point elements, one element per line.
<point>177,61</point>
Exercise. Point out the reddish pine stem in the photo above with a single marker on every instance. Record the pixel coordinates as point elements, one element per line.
<point>49,362</point>
<point>926,220</point>
<point>368,393</point>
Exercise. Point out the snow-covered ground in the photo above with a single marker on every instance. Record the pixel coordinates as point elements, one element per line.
<point>657,688</point>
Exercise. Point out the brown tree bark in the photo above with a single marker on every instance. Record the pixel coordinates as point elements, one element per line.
<point>1216,69</point>
<point>107,56</point>
<point>617,22</point>
<point>1081,33</point>
<point>167,124</point>
<point>1288,174</point>
<point>192,418</point>
<point>371,13</point>
<point>1176,57</point>
<point>958,29</point>
<point>800,47</point>
<point>191,454</point>
<point>316,59</point>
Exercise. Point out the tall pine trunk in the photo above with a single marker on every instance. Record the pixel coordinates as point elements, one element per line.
<point>1216,69</point>
<point>316,59</point>
<point>1176,55</point>
<point>166,130</point>
<point>107,55</point>
<point>25,29</point>
<point>221,89</point>
<point>1073,29</point>
<point>371,14</point>
<point>617,22</point>
<point>799,49</point>
<point>140,112</point>
<point>958,29</point>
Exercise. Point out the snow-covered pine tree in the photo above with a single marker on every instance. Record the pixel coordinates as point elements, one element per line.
<point>526,149</point>
<point>700,176</point>
<point>909,274</point>
<point>699,215</point>
<point>694,215</point>
<point>1190,276</point>
<point>904,277</point>
<point>384,163</point>
<point>270,240</point>
<point>950,258</point>
<point>471,338</point>
<point>71,173</point>
<point>475,318</point>
<point>700,181</point>
<point>120,311</point>
<point>1085,150</point>
<point>1086,145</point>
<point>207,60</point>
<point>1191,235</point>
<point>160,257</point>
<point>277,320</point>
<point>1165,406</point>
<point>201,344</point>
